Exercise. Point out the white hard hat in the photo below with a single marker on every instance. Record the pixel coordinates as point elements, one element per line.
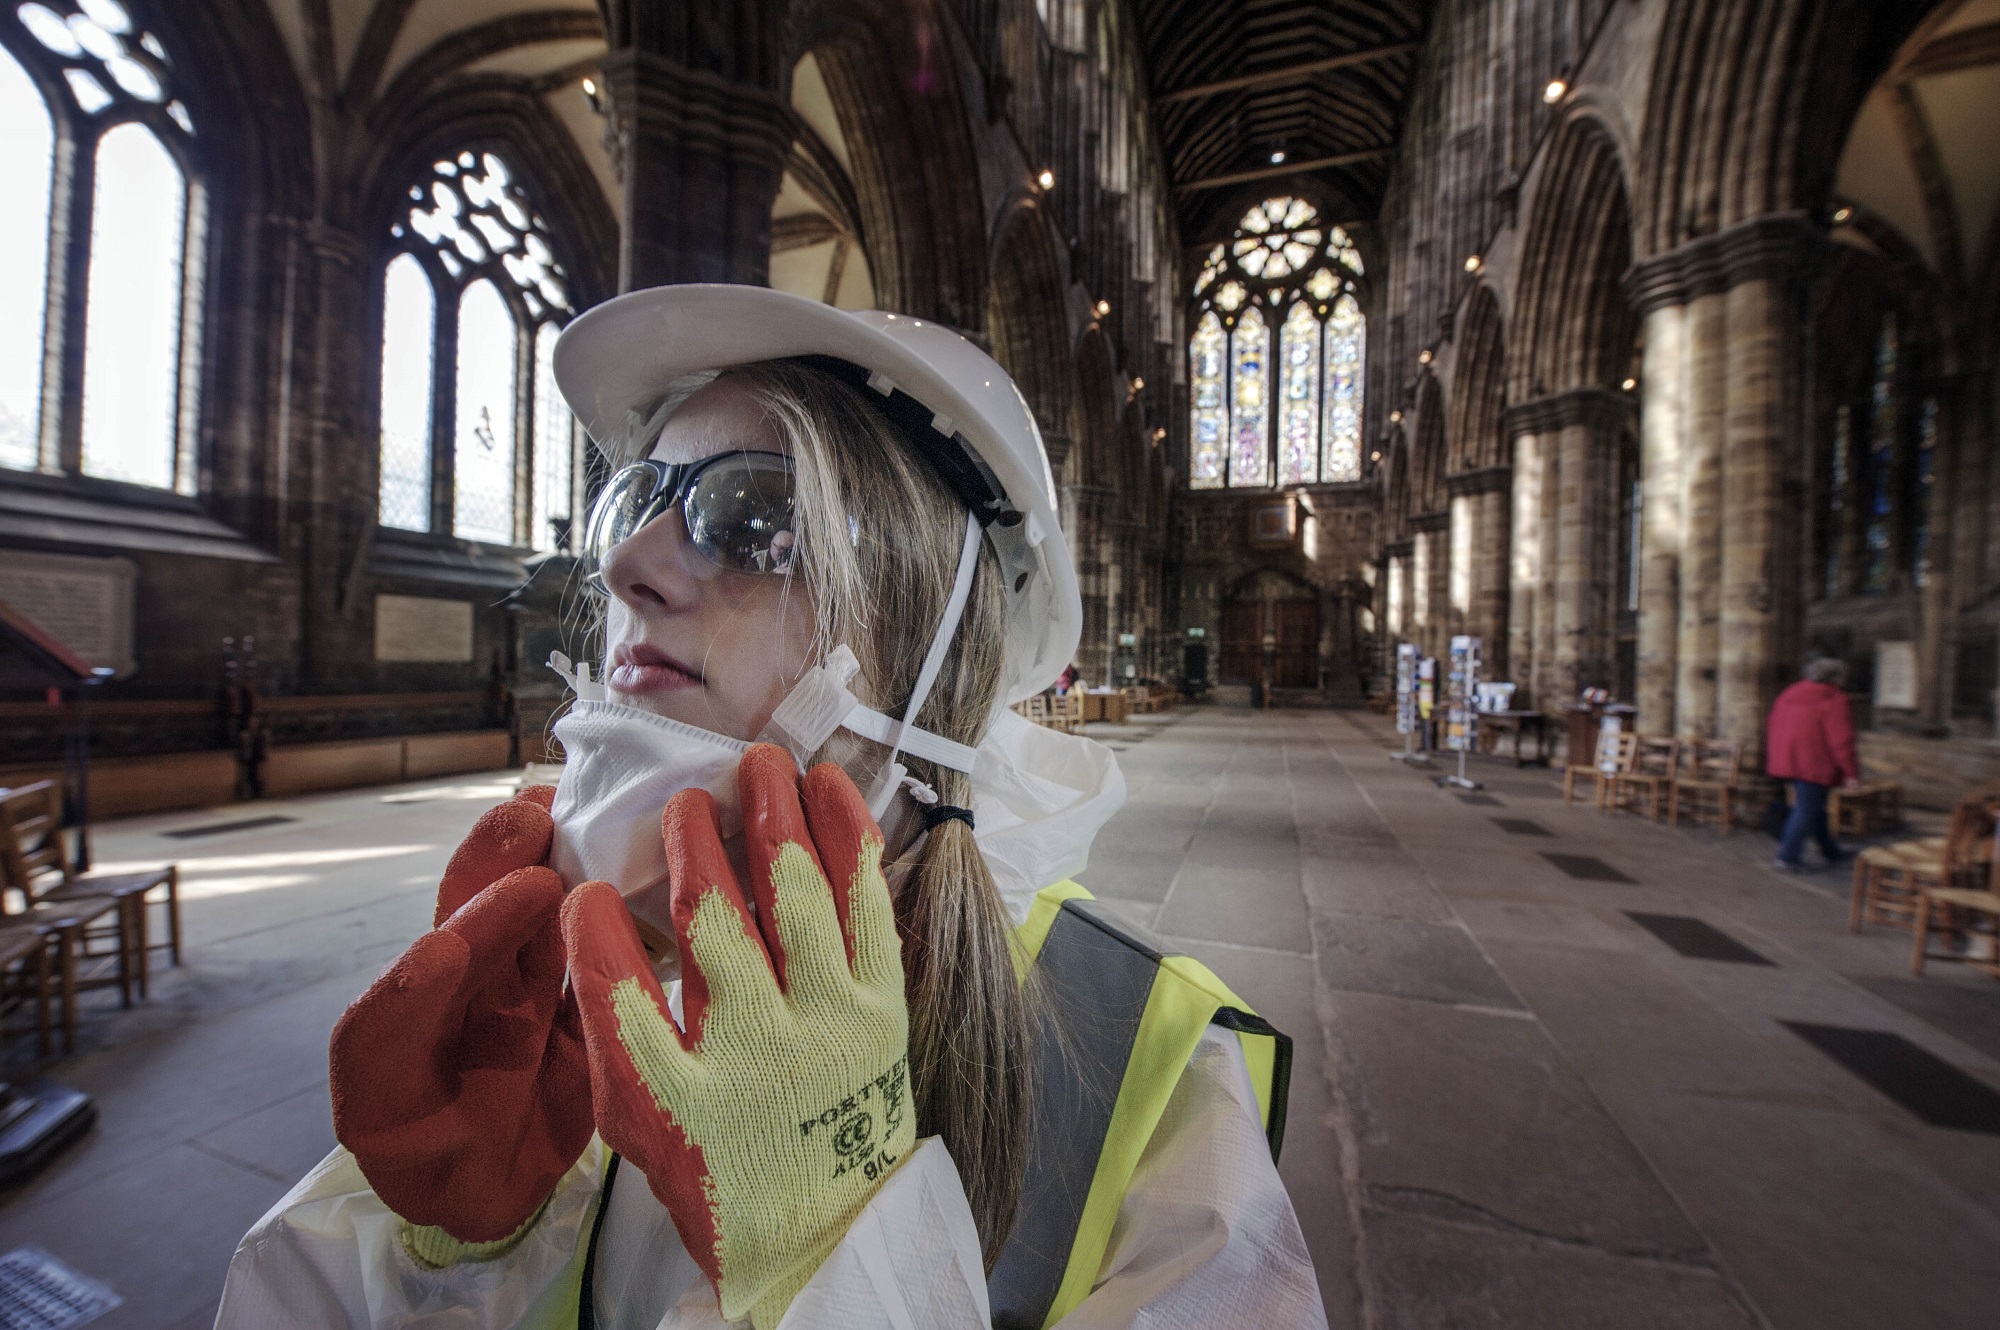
<point>617,361</point>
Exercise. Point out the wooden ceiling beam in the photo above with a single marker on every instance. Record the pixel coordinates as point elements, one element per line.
<point>1283,168</point>
<point>1287,74</point>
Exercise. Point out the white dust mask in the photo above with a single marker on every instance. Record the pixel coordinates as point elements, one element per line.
<point>622,765</point>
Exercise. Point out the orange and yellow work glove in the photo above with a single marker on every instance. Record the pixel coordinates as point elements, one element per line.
<point>767,1126</point>
<point>459,1081</point>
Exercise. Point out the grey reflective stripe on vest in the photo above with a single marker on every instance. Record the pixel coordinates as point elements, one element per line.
<point>1095,981</point>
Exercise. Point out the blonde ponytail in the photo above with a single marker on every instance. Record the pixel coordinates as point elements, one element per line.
<point>880,537</point>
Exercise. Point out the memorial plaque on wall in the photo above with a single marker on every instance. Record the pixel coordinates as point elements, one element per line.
<point>1896,675</point>
<point>423,629</point>
<point>83,603</point>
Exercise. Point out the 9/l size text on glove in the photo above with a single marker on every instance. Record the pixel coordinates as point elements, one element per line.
<point>767,1125</point>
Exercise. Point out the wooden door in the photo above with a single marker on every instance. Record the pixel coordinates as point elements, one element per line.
<point>1298,644</point>
<point>1242,642</point>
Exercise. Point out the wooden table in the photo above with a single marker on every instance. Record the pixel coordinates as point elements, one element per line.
<point>1874,805</point>
<point>1110,706</point>
<point>1492,724</point>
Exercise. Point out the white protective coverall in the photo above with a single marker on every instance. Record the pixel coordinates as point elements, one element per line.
<point>1206,1235</point>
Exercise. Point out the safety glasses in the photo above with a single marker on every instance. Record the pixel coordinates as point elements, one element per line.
<point>737,508</point>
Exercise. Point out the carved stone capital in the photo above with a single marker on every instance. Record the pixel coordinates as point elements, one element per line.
<point>1598,408</point>
<point>1781,247</point>
<point>1485,480</point>
<point>1424,522</point>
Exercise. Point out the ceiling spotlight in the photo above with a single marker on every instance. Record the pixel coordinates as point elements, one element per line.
<point>1424,356</point>
<point>1277,156</point>
<point>1629,384</point>
<point>1102,307</point>
<point>1841,215</point>
<point>1472,262</point>
<point>1047,178</point>
<point>1375,456</point>
<point>1395,417</point>
<point>1138,384</point>
<point>590,87</point>
<point>1554,92</point>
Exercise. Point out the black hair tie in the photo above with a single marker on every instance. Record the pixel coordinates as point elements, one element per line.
<point>936,815</point>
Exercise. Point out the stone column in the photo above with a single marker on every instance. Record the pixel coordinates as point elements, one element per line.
<point>1701,517</point>
<point>1524,564</point>
<point>1480,498</point>
<point>1662,427</point>
<point>1577,433</point>
<point>700,156</point>
<point>1765,330</point>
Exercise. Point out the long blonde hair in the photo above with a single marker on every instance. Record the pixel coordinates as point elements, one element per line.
<point>880,537</point>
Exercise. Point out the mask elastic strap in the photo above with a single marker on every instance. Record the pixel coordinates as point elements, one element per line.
<point>891,776</point>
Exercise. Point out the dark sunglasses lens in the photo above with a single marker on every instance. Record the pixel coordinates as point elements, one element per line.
<point>626,504</point>
<point>739,515</point>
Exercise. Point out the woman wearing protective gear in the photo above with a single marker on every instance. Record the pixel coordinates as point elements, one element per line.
<point>906,1078</point>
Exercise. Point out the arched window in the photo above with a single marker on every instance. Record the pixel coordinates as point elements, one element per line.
<point>472,301</point>
<point>85,72</point>
<point>1296,420</point>
<point>1884,421</point>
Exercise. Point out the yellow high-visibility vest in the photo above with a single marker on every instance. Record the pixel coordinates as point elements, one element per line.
<point>1129,1018</point>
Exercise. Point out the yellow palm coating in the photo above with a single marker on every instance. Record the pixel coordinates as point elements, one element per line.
<point>798,1101</point>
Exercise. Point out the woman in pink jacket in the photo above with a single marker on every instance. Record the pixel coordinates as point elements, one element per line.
<point>1809,741</point>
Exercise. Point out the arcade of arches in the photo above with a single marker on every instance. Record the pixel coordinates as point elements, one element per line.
<point>1651,341</point>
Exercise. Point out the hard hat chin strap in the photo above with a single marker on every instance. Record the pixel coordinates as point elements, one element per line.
<point>821,703</point>
<point>892,773</point>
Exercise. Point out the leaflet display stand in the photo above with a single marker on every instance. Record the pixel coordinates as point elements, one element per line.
<point>1461,716</point>
<point>1406,705</point>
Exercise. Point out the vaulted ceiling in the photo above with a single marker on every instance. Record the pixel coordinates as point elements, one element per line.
<point>363,52</point>
<point>1253,91</point>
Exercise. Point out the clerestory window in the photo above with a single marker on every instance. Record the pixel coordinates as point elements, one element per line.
<point>1256,420</point>
<point>473,299</point>
<point>89,74</point>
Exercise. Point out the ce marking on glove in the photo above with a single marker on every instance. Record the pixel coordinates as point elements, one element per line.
<point>853,1124</point>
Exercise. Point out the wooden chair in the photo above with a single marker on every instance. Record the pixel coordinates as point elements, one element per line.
<point>33,862</point>
<point>1709,770</point>
<point>29,971</point>
<point>1614,755</point>
<point>1963,902</point>
<point>1890,881</point>
<point>1066,712</point>
<point>1655,761</point>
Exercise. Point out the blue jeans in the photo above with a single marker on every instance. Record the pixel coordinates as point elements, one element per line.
<point>1808,819</point>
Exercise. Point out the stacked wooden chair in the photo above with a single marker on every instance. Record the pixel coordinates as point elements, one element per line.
<point>1649,775</point>
<point>1613,757</point>
<point>1962,901</point>
<point>97,919</point>
<point>1706,782</point>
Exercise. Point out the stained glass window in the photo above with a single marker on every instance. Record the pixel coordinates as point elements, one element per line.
<point>472,235</point>
<point>409,310</point>
<point>27,146</point>
<point>1249,407</point>
<point>1346,345</point>
<point>1298,420</point>
<point>1883,421</point>
<point>1282,258</point>
<point>1836,501</point>
<point>132,332</point>
<point>1209,413</point>
<point>1920,519</point>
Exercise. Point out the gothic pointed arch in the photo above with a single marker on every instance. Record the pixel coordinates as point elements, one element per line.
<point>1474,434</point>
<point>1026,323</point>
<point>890,72</point>
<point>1573,327</point>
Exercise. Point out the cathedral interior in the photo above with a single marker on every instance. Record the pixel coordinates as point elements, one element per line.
<point>1644,345</point>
